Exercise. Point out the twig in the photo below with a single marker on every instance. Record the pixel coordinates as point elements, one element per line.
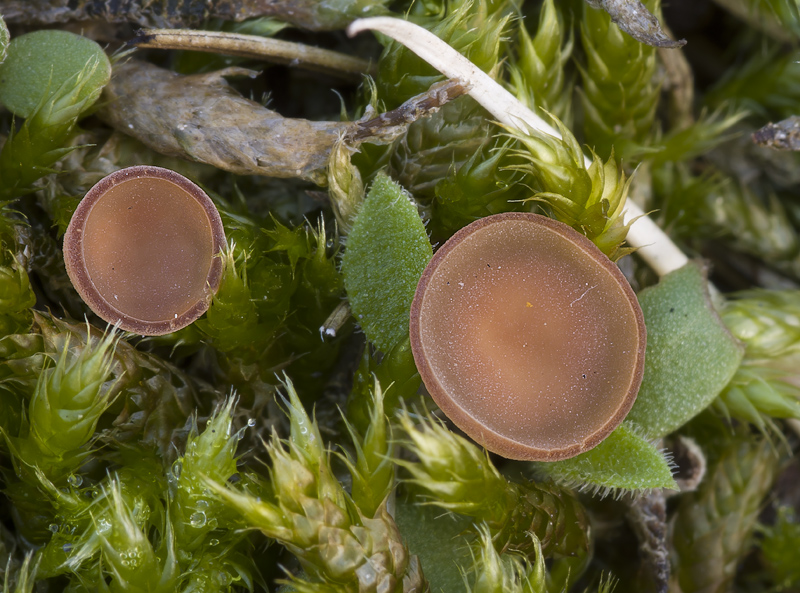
<point>652,244</point>
<point>256,47</point>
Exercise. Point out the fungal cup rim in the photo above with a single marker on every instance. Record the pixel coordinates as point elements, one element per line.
<point>79,275</point>
<point>489,438</point>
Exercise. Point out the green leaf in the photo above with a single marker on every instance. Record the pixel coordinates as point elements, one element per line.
<point>387,251</point>
<point>690,358</point>
<point>39,63</point>
<point>438,539</point>
<point>623,461</point>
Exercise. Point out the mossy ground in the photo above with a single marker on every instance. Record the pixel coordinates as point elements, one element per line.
<point>271,446</point>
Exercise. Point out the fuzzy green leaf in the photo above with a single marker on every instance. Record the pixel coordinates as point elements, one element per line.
<point>691,356</point>
<point>438,539</point>
<point>623,461</point>
<point>40,62</point>
<point>387,251</point>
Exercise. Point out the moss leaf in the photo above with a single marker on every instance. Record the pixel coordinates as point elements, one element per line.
<point>387,250</point>
<point>691,356</point>
<point>623,461</point>
<point>39,63</point>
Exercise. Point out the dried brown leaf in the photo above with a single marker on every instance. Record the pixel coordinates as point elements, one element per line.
<point>633,17</point>
<point>784,135</point>
<point>201,118</point>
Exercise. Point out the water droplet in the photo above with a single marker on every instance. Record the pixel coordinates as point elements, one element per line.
<point>131,559</point>
<point>103,525</point>
<point>201,504</point>
<point>67,548</point>
<point>251,422</point>
<point>53,527</point>
<point>75,480</point>
<point>197,519</point>
<point>177,467</point>
<point>240,434</point>
<point>213,542</point>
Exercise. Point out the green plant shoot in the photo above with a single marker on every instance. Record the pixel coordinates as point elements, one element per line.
<point>387,250</point>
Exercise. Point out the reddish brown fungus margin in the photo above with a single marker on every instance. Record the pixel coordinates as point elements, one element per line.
<point>527,337</point>
<point>142,250</point>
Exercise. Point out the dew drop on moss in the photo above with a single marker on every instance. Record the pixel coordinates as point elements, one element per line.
<point>197,519</point>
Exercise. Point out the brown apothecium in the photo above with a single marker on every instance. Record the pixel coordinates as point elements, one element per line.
<point>528,337</point>
<point>142,250</point>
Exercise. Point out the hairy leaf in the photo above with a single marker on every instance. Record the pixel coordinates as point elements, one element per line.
<point>438,539</point>
<point>386,253</point>
<point>622,462</point>
<point>690,357</point>
<point>39,63</point>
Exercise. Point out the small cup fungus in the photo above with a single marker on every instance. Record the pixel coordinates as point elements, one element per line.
<point>528,337</point>
<point>142,250</point>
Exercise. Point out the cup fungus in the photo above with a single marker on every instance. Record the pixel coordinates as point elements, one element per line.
<point>142,250</point>
<point>527,337</point>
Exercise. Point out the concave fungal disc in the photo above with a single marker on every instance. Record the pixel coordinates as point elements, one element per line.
<point>142,250</point>
<point>528,337</point>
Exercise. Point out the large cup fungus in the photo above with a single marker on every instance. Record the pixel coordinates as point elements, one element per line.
<point>528,337</point>
<point>142,250</point>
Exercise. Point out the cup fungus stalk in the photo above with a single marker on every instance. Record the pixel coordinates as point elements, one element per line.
<point>651,243</point>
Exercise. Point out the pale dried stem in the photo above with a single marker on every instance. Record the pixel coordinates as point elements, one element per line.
<point>652,244</point>
<point>255,47</point>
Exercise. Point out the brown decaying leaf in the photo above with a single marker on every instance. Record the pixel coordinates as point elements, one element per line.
<point>307,14</point>
<point>633,17</point>
<point>784,135</point>
<point>201,118</point>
